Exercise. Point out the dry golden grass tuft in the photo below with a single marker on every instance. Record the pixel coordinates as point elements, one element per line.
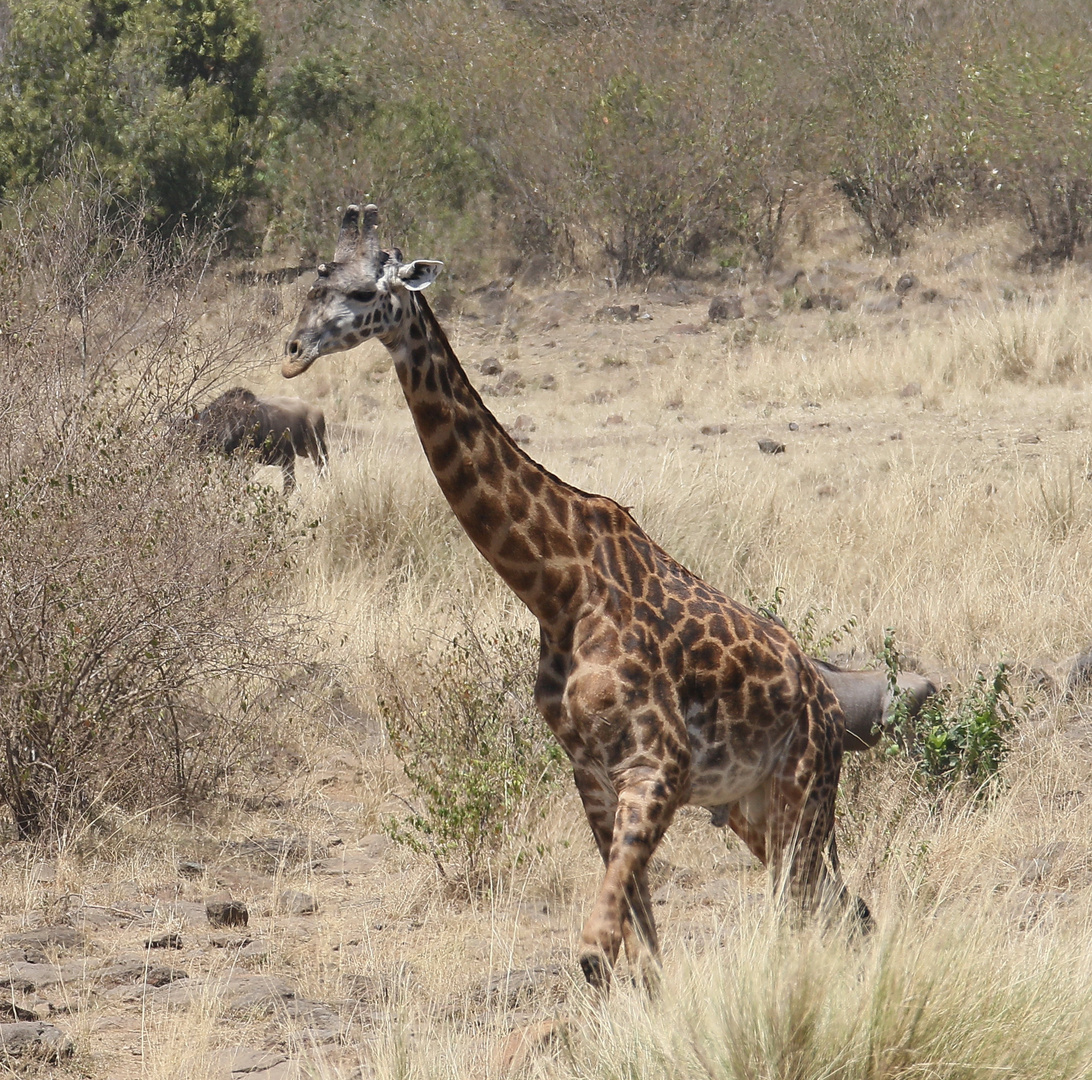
<point>935,480</point>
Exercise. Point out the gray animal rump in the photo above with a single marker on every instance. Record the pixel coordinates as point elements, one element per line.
<point>277,429</point>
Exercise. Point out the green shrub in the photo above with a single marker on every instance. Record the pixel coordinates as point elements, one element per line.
<point>164,99</point>
<point>810,635</point>
<point>473,747</point>
<point>961,736</point>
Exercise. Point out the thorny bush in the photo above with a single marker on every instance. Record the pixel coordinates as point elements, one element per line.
<point>142,612</point>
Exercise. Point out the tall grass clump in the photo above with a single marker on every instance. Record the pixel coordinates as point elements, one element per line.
<point>957,998</point>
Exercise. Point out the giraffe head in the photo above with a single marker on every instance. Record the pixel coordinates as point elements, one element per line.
<point>357,296</point>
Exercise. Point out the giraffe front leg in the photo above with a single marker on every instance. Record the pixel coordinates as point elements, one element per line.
<point>622,911</point>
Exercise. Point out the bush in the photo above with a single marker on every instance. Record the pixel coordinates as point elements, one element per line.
<point>814,640</point>
<point>961,737</point>
<point>1036,143</point>
<point>143,622</point>
<point>164,99</point>
<point>473,747</point>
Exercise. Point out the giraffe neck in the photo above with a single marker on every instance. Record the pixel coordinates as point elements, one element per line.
<point>527,523</point>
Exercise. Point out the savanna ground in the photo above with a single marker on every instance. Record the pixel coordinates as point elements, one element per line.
<point>935,480</point>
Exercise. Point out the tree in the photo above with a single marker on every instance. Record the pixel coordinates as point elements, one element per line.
<point>165,99</point>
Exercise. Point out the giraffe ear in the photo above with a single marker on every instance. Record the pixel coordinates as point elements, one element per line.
<point>420,273</point>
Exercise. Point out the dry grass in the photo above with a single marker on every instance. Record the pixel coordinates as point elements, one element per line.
<point>956,512</point>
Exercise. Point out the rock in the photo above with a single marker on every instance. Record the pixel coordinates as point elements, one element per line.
<point>490,366</point>
<point>273,852</point>
<point>229,941</point>
<point>1029,440</point>
<point>828,300</point>
<point>255,950</point>
<point>618,313</point>
<point>714,429</point>
<point>223,911</point>
<point>905,284</point>
<point>244,1061</point>
<point>513,989</point>
<point>30,976</point>
<point>11,1011</point>
<point>511,382</point>
<point>516,1052</point>
<point>883,306</point>
<point>684,328</point>
<point>770,446</point>
<point>170,940</point>
<point>292,902</point>
<point>523,425</point>
<point>615,418</point>
<point>46,937</point>
<point>725,308</point>
<point>599,397</point>
<point>911,389</point>
<point>35,1039</point>
<point>136,970</point>
<point>189,868</point>
<point>548,382</point>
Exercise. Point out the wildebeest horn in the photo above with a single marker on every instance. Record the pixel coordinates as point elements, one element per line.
<point>369,235</point>
<point>347,238</point>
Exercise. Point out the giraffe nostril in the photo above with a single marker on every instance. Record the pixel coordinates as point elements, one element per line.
<point>293,347</point>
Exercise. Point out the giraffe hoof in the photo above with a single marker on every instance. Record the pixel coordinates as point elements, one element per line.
<point>596,970</point>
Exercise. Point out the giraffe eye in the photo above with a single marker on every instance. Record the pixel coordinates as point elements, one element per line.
<point>362,296</point>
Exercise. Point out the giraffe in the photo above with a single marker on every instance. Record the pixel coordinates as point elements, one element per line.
<point>661,690</point>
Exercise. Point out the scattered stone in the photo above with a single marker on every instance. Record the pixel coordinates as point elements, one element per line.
<point>292,902</point>
<point>885,305</point>
<point>229,941</point>
<point>615,418</point>
<point>516,1052</point>
<point>511,382</point>
<point>599,397</point>
<point>136,970</point>
<point>223,911</point>
<point>35,1039</point>
<point>725,308</point>
<point>189,868</point>
<point>273,852</point>
<point>684,328</point>
<point>911,389</point>
<point>895,436</point>
<point>905,284</point>
<point>618,313</point>
<point>490,366</point>
<point>12,1011</point>
<point>714,429</point>
<point>521,428</point>
<point>255,950</point>
<point>828,300</point>
<point>47,937</point>
<point>170,940</point>
<point>31,976</point>
<point>787,279</point>
<point>1029,439</point>
<point>929,296</point>
<point>771,446</point>
<point>878,284</point>
<point>826,491</point>
<point>793,426</point>
<point>243,1061</point>
<point>549,382</point>
<point>514,989</point>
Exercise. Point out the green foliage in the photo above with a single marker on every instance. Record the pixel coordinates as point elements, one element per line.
<point>164,98</point>
<point>961,737</point>
<point>472,745</point>
<point>815,639</point>
<point>1034,106</point>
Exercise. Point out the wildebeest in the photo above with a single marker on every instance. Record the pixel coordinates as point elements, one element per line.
<point>276,428</point>
<point>868,702</point>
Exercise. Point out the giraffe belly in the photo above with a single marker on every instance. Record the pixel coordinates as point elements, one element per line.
<point>725,770</point>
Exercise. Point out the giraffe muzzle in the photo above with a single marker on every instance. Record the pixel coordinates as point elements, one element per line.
<point>297,361</point>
